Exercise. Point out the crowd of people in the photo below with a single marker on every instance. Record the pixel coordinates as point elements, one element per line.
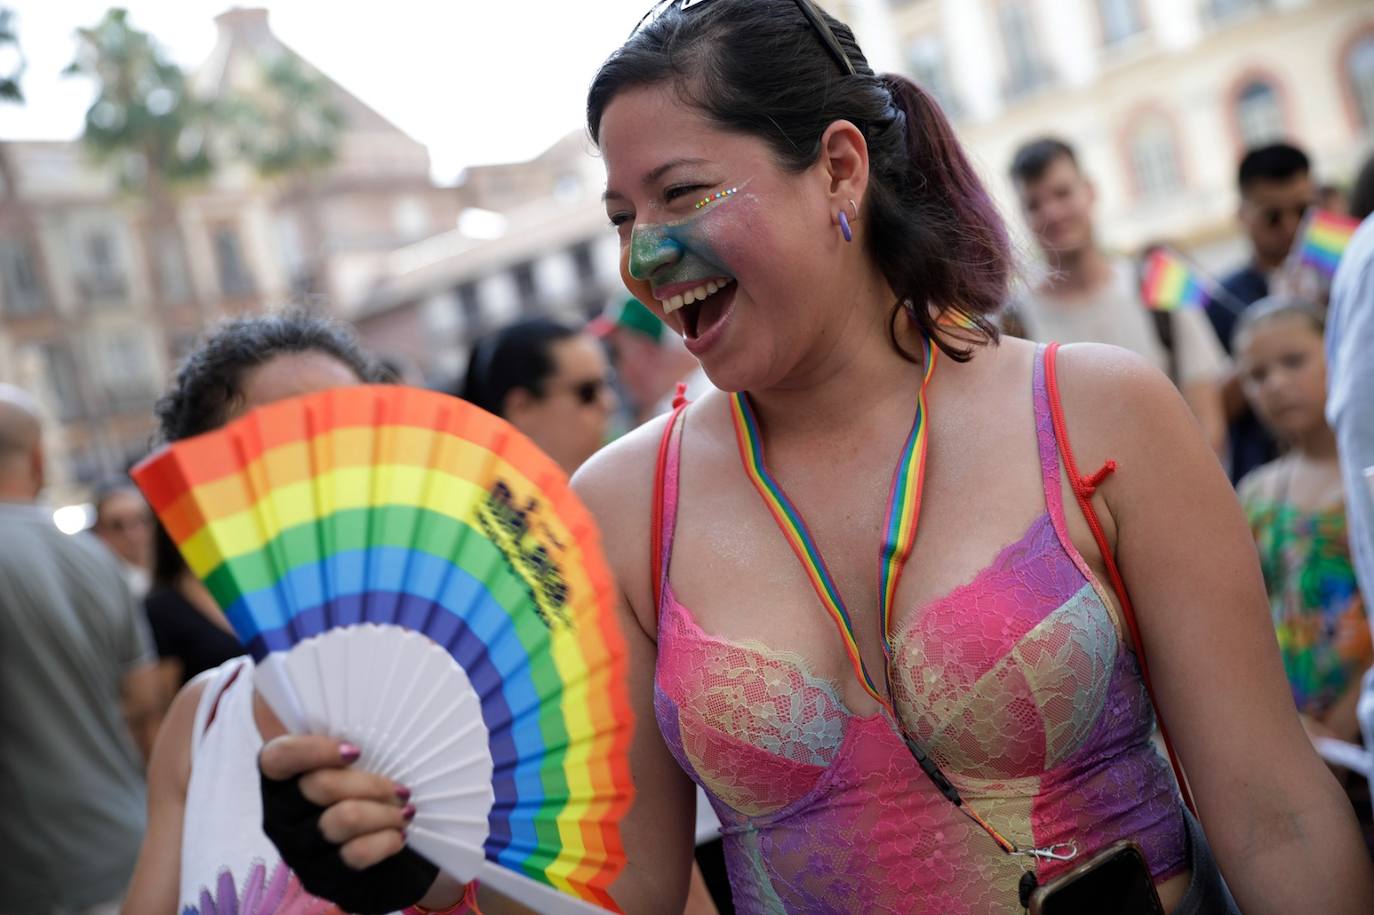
<point>814,269</point>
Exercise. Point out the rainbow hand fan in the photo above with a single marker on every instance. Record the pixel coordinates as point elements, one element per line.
<point>412,575</point>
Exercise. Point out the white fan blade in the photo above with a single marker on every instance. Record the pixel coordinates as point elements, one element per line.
<point>421,717</point>
<point>274,682</point>
<point>444,757</point>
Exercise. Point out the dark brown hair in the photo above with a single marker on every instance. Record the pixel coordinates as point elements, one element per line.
<point>519,355</point>
<point>759,67</point>
<point>1275,162</point>
<point>209,381</point>
<point>1032,159</point>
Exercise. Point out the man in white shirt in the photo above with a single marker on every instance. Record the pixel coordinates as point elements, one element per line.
<point>1087,296</point>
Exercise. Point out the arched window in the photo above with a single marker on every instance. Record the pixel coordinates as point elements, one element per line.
<point>1154,157</point>
<point>1359,70</point>
<point>1259,114</point>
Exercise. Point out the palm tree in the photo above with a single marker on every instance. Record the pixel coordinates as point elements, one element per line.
<point>145,123</point>
<point>10,90</point>
<point>289,129</point>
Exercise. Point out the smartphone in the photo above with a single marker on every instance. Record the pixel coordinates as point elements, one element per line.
<point>1115,881</point>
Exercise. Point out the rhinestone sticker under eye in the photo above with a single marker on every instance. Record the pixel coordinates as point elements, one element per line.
<point>718,195</point>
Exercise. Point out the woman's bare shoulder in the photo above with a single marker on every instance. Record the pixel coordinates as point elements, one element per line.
<point>619,478</point>
<point>1116,402</point>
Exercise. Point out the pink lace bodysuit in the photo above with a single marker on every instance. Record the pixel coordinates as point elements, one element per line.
<point>1019,685</point>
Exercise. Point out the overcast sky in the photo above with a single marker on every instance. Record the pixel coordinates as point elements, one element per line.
<point>477,81</point>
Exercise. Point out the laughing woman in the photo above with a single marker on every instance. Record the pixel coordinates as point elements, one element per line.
<point>873,623</point>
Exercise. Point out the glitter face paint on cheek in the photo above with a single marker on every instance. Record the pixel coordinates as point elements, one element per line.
<point>688,249</point>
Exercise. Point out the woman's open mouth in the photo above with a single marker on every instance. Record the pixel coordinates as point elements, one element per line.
<point>701,308</point>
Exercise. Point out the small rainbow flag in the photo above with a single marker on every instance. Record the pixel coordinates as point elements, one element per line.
<point>1324,240</point>
<point>1170,284</point>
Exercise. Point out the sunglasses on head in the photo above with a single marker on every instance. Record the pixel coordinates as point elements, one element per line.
<point>817,21</point>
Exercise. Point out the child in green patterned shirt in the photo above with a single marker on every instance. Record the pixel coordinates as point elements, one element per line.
<point>1296,509</point>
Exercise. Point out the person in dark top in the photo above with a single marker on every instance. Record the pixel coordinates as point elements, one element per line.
<point>1362,191</point>
<point>190,631</point>
<point>1276,191</point>
<point>550,381</point>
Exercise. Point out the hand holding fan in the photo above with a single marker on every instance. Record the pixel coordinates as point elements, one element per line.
<point>413,576</point>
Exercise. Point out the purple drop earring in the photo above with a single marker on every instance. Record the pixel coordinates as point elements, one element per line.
<point>844,227</point>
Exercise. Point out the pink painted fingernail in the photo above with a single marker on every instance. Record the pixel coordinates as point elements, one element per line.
<point>349,753</point>
<point>403,792</point>
<point>408,813</point>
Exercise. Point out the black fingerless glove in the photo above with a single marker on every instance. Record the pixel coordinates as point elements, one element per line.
<point>293,824</point>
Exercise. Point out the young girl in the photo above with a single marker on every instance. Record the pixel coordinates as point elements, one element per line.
<point>1296,509</point>
<point>864,604</point>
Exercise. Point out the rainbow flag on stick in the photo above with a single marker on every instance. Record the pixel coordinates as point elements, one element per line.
<point>1324,239</point>
<point>1169,283</point>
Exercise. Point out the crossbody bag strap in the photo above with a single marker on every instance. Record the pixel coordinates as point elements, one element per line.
<point>1083,489</point>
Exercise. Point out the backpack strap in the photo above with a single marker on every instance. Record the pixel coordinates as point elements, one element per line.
<point>1083,489</point>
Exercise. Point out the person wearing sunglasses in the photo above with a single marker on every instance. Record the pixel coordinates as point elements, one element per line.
<point>863,603</point>
<point>125,525</point>
<point>547,380</point>
<point>1276,191</point>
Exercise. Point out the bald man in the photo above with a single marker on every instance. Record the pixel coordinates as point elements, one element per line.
<point>79,699</point>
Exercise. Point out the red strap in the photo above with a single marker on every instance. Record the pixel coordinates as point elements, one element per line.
<point>214,707</point>
<point>660,471</point>
<point>1083,489</point>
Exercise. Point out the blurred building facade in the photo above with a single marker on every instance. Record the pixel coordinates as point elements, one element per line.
<point>95,308</point>
<point>534,239</point>
<point>1160,97</point>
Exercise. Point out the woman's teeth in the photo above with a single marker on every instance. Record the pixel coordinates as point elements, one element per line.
<point>710,287</point>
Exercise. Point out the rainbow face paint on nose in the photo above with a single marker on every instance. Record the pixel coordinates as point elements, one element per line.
<point>651,246</point>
